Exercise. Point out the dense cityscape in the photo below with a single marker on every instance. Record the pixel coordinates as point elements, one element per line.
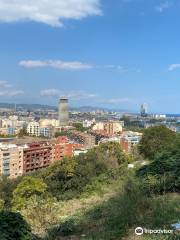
<point>89,120</point>
<point>28,140</point>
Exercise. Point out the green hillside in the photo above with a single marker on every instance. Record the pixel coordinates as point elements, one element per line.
<point>95,196</point>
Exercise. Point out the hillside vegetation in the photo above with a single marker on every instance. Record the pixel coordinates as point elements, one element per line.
<point>95,195</point>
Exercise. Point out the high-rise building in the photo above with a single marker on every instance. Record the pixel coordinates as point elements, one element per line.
<point>143,110</point>
<point>63,112</point>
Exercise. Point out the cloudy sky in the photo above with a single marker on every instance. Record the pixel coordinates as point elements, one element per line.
<point>111,53</point>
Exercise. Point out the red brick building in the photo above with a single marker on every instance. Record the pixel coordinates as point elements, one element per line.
<point>62,147</point>
<point>36,156</point>
<point>18,160</point>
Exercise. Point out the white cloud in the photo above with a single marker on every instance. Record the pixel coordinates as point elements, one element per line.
<point>72,65</point>
<point>163,6</point>
<point>174,66</point>
<point>120,68</point>
<point>115,101</point>
<point>74,95</point>
<point>50,93</point>
<point>118,100</point>
<point>12,93</point>
<point>58,64</point>
<point>7,90</point>
<point>5,84</point>
<point>51,12</point>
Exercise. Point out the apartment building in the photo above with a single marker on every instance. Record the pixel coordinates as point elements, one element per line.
<point>33,129</point>
<point>62,147</point>
<point>36,156</point>
<point>109,127</point>
<point>86,139</point>
<point>11,160</point>
<point>129,140</point>
<point>16,160</point>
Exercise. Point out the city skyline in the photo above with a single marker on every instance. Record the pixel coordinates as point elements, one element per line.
<point>98,53</point>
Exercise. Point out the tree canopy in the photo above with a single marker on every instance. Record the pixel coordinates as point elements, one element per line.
<point>28,187</point>
<point>156,139</point>
<point>13,226</point>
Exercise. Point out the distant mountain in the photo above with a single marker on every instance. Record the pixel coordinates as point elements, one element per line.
<point>32,107</point>
<point>88,109</point>
<point>27,106</point>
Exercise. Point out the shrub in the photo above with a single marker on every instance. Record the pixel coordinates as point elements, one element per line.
<point>14,227</point>
<point>28,187</point>
<point>41,212</point>
<point>156,139</point>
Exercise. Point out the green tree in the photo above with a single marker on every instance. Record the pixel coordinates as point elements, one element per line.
<point>68,177</point>
<point>28,187</point>
<point>126,120</point>
<point>7,187</point>
<point>79,127</point>
<point>1,204</point>
<point>156,139</point>
<point>111,154</point>
<point>59,134</point>
<point>58,177</point>
<point>166,170</point>
<point>41,212</point>
<point>14,227</point>
<point>22,133</point>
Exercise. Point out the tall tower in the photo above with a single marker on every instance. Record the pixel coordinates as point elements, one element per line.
<point>144,111</point>
<point>63,112</point>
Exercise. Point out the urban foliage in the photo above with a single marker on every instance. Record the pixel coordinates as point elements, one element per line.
<point>67,178</point>
<point>144,196</point>
<point>156,139</point>
<point>13,226</point>
<point>79,127</point>
<point>114,218</point>
<point>27,188</point>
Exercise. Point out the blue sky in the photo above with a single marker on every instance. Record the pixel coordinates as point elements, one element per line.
<point>110,53</point>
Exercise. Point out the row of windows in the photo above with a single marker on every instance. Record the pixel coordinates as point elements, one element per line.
<point>36,165</point>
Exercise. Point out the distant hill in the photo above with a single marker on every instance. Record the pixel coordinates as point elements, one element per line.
<point>27,106</point>
<point>31,107</point>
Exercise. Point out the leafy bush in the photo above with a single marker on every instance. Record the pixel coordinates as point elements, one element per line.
<point>68,178</point>
<point>41,212</point>
<point>14,227</point>
<point>165,169</point>
<point>156,139</point>
<point>64,229</point>
<point>116,217</point>
<point>28,187</point>
<point>7,187</point>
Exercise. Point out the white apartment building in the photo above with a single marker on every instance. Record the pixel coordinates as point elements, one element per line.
<point>88,123</point>
<point>33,129</point>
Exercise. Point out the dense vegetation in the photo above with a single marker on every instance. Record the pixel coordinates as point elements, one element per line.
<point>163,148</point>
<point>156,139</point>
<point>79,127</point>
<point>13,226</point>
<point>96,196</point>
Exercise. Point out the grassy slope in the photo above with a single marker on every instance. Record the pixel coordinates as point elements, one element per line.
<point>110,212</point>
